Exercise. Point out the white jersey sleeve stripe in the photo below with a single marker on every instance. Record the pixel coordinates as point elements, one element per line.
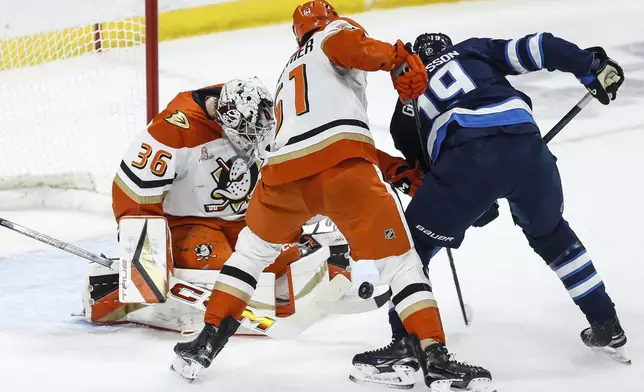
<point>534,49</point>
<point>512,56</point>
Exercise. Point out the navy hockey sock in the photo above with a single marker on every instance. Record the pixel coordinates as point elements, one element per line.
<point>585,286</point>
<point>568,258</point>
<point>397,327</point>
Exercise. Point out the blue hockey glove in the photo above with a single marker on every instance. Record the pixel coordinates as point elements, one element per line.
<point>605,78</point>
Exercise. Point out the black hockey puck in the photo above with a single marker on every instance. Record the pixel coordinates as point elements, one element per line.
<point>365,291</point>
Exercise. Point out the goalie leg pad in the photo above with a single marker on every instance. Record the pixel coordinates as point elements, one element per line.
<point>100,295</point>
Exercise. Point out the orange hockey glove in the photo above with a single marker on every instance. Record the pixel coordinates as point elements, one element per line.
<point>406,179</point>
<point>409,74</point>
<point>399,173</point>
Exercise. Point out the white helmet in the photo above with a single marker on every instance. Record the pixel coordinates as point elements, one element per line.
<point>245,111</point>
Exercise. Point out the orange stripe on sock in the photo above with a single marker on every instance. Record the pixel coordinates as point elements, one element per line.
<point>222,305</point>
<point>426,324</point>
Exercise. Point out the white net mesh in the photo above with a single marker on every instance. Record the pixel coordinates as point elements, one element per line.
<point>72,96</point>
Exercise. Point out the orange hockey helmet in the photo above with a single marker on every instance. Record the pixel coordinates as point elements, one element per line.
<point>310,17</point>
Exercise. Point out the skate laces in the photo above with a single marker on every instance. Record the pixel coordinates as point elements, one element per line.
<point>452,358</point>
<point>382,349</point>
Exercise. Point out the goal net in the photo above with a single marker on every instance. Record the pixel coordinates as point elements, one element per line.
<point>73,94</point>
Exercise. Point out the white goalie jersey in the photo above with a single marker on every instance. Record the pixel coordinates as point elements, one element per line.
<point>182,166</point>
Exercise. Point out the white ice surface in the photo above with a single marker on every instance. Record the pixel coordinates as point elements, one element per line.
<point>526,327</point>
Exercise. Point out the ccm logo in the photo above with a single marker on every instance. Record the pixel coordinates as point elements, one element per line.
<point>192,295</point>
<point>263,323</point>
<point>189,294</point>
<point>434,235</point>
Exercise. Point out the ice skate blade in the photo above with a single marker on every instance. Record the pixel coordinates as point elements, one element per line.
<point>187,369</point>
<point>616,354</point>
<point>476,385</point>
<point>441,386</point>
<point>481,385</point>
<point>401,378</point>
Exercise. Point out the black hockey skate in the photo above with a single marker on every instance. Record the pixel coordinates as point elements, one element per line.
<point>198,354</point>
<point>607,337</point>
<point>443,373</point>
<point>393,366</point>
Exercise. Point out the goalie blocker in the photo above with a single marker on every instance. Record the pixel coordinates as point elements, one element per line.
<point>145,259</point>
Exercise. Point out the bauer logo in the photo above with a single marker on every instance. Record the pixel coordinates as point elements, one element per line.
<point>179,119</point>
<point>434,235</point>
<point>390,234</point>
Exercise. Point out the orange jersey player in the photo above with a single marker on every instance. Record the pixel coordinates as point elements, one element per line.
<point>322,160</point>
<point>196,165</point>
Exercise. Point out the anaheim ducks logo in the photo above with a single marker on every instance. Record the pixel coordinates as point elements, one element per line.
<point>179,119</point>
<point>235,184</point>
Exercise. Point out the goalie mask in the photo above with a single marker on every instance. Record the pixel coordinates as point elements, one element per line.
<point>245,112</point>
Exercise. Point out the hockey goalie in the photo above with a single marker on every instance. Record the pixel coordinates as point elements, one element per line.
<point>180,197</point>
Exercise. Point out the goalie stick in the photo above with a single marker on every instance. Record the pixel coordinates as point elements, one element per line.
<point>359,305</point>
<point>64,246</point>
<point>197,297</point>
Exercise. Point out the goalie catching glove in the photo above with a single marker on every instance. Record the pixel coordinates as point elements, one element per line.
<point>605,78</point>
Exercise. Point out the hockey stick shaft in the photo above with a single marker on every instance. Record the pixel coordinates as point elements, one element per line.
<point>426,158</point>
<point>568,117</point>
<point>458,286</point>
<point>62,245</point>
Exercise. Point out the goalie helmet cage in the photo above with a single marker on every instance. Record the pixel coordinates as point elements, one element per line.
<point>78,81</point>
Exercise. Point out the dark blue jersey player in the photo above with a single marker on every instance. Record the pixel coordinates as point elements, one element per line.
<point>484,144</point>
